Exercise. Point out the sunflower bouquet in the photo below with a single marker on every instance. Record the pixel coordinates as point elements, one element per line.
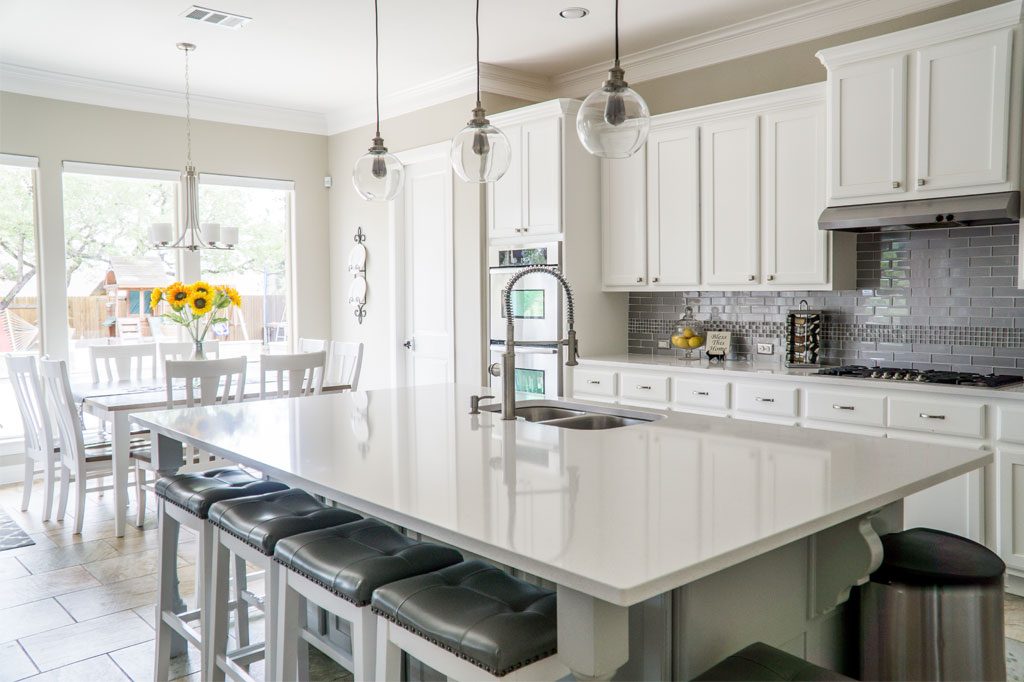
<point>196,307</point>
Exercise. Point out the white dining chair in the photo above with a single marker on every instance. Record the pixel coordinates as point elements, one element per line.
<point>40,450</point>
<point>344,361</point>
<point>182,350</point>
<point>295,375</point>
<point>123,362</point>
<point>76,460</point>
<point>312,345</point>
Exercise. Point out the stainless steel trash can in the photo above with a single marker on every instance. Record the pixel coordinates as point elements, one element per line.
<point>933,610</point>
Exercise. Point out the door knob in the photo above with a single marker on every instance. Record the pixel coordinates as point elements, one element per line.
<point>410,344</point>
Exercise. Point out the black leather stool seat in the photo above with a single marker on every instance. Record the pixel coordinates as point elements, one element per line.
<point>477,612</point>
<point>762,663</point>
<point>196,492</point>
<point>262,520</point>
<point>354,559</point>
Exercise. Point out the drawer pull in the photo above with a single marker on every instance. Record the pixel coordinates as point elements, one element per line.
<point>925,415</point>
<point>764,400</point>
<point>643,388</point>
<point>701,393</point>
<point>594,382</point>
<point>844,407</point>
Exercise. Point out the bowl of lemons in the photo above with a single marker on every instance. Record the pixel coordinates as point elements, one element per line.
<point>688,335</point>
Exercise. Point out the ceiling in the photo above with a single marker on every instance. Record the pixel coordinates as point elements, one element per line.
<point>316,56</point>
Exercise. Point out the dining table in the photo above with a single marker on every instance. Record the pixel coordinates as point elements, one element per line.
<point>114,402</point>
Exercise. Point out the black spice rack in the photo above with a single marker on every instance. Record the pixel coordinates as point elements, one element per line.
<point>803,336</point>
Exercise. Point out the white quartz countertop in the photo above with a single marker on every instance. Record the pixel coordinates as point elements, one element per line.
<point>775,371</point>
<point>622,514</point>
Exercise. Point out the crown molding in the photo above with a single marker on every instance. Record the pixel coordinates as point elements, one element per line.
<point>39,83</point>
<point>791,26</point>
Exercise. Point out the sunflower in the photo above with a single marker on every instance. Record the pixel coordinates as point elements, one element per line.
<point>201,302</point>
<point>155,297</point>
<point>232,294</point>
<point>202,287</point>
<point>177,295</point>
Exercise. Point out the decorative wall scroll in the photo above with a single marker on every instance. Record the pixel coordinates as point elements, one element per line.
<point>357,266</point>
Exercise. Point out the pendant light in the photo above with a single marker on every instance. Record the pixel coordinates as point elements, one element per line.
<point>480,152</point>
<point>378,175</point>
<point>613,122</point>
<point>192,235</point>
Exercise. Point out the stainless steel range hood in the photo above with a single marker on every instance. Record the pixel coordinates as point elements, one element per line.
<point>976,209</point>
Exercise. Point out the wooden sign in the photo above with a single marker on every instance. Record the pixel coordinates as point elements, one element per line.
<point>718,344</point>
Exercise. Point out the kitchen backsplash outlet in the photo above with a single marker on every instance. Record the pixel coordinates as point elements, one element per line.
<point>928,299</point>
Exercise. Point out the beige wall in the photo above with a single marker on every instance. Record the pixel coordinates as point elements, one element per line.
<point>348,211</point>
<point>56,131</point>
<point>786,67</point>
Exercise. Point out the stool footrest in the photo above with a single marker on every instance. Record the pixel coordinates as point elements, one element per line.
<point>233,670</point>
<point>328,648</point>
<point>248,654</point>
<point>176,623</point>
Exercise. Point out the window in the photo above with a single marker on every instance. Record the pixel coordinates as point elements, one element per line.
<point>19,283</point>
<point>110,265</point>
<point>258,266</point>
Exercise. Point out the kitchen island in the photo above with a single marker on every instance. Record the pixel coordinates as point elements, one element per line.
<point>672,543</point>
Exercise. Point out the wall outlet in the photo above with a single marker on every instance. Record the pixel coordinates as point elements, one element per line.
<point>662,343</point>
<point>765,348</point>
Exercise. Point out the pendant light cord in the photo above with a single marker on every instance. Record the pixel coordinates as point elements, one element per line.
<point>376,60</point>
<point>477,54</point>
<point>616,32</point>
<point>188,114</point>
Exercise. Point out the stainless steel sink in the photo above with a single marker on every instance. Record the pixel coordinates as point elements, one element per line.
<point>576,416</point>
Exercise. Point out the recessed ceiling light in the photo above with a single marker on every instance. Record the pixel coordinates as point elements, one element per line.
<point>574,12</point>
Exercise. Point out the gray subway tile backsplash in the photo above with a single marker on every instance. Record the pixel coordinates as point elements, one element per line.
<point>930,299</point>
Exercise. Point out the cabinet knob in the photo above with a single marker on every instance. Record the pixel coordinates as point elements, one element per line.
<point>771,278</point>
<point>751,278</point>
<point>895,184</point>
<point>639,280</point>
<point>920,182</point>
<point>656,279</point>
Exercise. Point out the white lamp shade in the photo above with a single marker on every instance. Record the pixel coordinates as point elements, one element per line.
<point>229,235</point>
<point>210,232</point>
<point>161,233</point>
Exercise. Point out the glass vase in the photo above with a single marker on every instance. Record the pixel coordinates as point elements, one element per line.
<point>197,350</point>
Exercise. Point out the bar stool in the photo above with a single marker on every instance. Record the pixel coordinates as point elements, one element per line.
<point>469,621</point>
<point>185,500</point>
<point>338,569</point>
<point>250,528</point>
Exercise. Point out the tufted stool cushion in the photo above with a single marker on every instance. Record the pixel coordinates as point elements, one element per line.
<point>354,559</point>
<point>477,612</point>
<point>196,492</point>
<point>762,663</point>
<point>262,520</point>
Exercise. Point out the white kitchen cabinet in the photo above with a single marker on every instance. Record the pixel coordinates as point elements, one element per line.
<point>673,206</point>
<point>794,252</point>
<point>868,128</point>
<point>1010,463</point>
<point>624,220</point>
<point>729,201</point>
<point>527,200</point>
<point>505,205</point>
<point>963,104</point>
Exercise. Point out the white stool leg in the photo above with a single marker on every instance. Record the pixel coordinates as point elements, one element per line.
<point>47,490</point>
<point>26,489</point>
<point>242,606</point>
<point>216,634</point>
<point>389,657</point>
<point>288,627</point>
<point>80,482</point>
<point>364,641</point>
<point>168,551</point>
<point>271,605</point>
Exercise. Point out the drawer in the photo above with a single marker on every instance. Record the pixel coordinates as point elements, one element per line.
<point>776,401</point>
<point>594,382</point>
<point>644,387</point>
<point>713,395</point>
<point>1010,424</point>
<point>947,417</point>
<point>846,407</point>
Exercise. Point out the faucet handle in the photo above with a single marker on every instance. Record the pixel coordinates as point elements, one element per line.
<point>474,402</point>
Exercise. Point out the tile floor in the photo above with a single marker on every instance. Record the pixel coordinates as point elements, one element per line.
<point>80,607</point>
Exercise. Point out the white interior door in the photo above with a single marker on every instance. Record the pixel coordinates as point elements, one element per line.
<point>424,272</point>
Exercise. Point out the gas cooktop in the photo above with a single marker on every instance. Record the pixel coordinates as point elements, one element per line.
<point>924,376</point>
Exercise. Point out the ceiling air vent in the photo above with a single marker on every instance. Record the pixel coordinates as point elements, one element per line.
<point>216,17</point>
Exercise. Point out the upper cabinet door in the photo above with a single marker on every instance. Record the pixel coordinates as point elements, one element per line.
<point>624,221</point>
<point>506,195</point>
<point>867,110</point>
<point>673,206</point>
<point>795,251</point>
<point>963,104</point>
<point>542,176</point>
<point>729,201</point>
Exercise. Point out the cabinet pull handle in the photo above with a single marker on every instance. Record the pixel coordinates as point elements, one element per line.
<point>895,184</point>
<point>594,382</point>
<point>764,400</point>
<point>526,229</point>
<point>643,388</point>
<point>925,415</point>
<point>771,278</point>
<point>656,279</point>
<point>751,278</point>
<point>843,407</point>
<point>639,280</point>
<point>920,182</point>
<point>700,393</point>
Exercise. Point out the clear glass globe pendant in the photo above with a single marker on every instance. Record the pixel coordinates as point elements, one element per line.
<point>378,175</point>
<point>480,152</point>
<point>613,122</point>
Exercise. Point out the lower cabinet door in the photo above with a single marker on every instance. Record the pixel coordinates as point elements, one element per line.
<point>1010,506</point>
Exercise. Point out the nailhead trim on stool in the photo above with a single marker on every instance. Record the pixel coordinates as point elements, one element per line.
<point>490,614</point>
<point>197,492</point>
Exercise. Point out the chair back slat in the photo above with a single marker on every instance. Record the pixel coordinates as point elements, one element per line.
<point>344,363</point>
<point>312,345</point>
<point>211,375</point>
<point>62,404</point>
<point>122,362</point>
<point>304,373</point>
<point>35,418</point>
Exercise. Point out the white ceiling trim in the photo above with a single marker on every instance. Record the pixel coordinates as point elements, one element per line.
<point>40,83</point>
<point>799,24</point>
